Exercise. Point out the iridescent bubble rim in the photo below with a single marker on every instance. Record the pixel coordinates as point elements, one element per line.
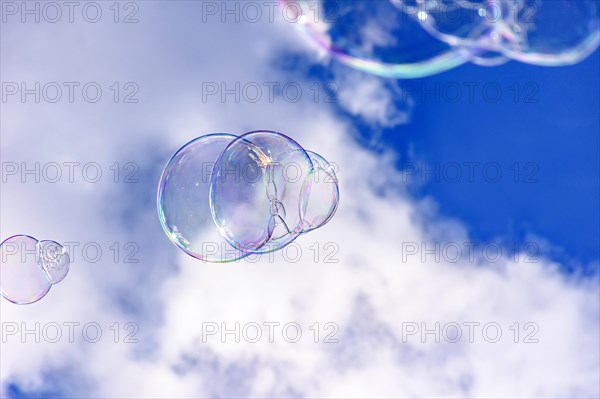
<point>307,186</point>
<point>18,235</point>
<point>215,207</point>
<point>162,217</point>
<point>570,57</point>
<point>440,63</point>
<point>3,293</point>
<point>263,161</point>
<point>463,49</point>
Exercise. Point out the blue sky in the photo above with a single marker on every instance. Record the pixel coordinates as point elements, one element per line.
<point>553,143</point>
<point>373,130</point>
<point>540,134</point>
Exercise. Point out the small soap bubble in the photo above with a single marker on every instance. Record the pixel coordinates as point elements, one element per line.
<point>30,267</point>
<point>320,194</point>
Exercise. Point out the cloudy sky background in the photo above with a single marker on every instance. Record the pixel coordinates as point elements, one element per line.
<point>371,130</point>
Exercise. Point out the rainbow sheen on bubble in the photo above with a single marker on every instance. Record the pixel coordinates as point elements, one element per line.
<point>373,36</point>
<point>256,191</point>
<point>417,38</point>
<point>183,200</point>
<point>30,267</point>
<point>222,197</point>
<point>320,194</point>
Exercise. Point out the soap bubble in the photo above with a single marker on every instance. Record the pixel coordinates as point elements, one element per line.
<point>256,191</point>
<point>417,38</point>
<point>460,22</point>
<point>54,260</point>
<point>223,197</point>
<point>183,200</point>
<point>463,24</point>
<point>320,194</point>
<point>22,279</point>
<point>29,268</point>
<point>375,37</point>
<point>564,32</point>
<point>549,33</point>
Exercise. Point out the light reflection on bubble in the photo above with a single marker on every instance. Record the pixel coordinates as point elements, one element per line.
<point>30,267</point>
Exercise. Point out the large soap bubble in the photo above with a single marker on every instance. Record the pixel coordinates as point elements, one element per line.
<point>223,197</point>
<point>320,194</point>
<point>374,36</point>
<point>30,267</point>
<point>416,38</point>
<point>183,200</point>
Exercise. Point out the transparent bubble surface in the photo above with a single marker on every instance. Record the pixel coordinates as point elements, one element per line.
<point>222,197</point>
<point>550,32</point>
<point>555,32</point>
<point>29,268</point>
<point>54,260</point>
<point>417,38</point>
<point>183,200</point>
<point>256,191</point>
<point>320,194</point>
<point>374,36</point>
<point>458,22</point>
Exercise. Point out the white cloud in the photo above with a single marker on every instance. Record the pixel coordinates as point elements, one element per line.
<point>378,101</point>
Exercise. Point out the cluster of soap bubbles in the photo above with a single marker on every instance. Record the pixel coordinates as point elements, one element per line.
<point>417,38</point>
<point>222,197</point>
<point>30,267</point>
